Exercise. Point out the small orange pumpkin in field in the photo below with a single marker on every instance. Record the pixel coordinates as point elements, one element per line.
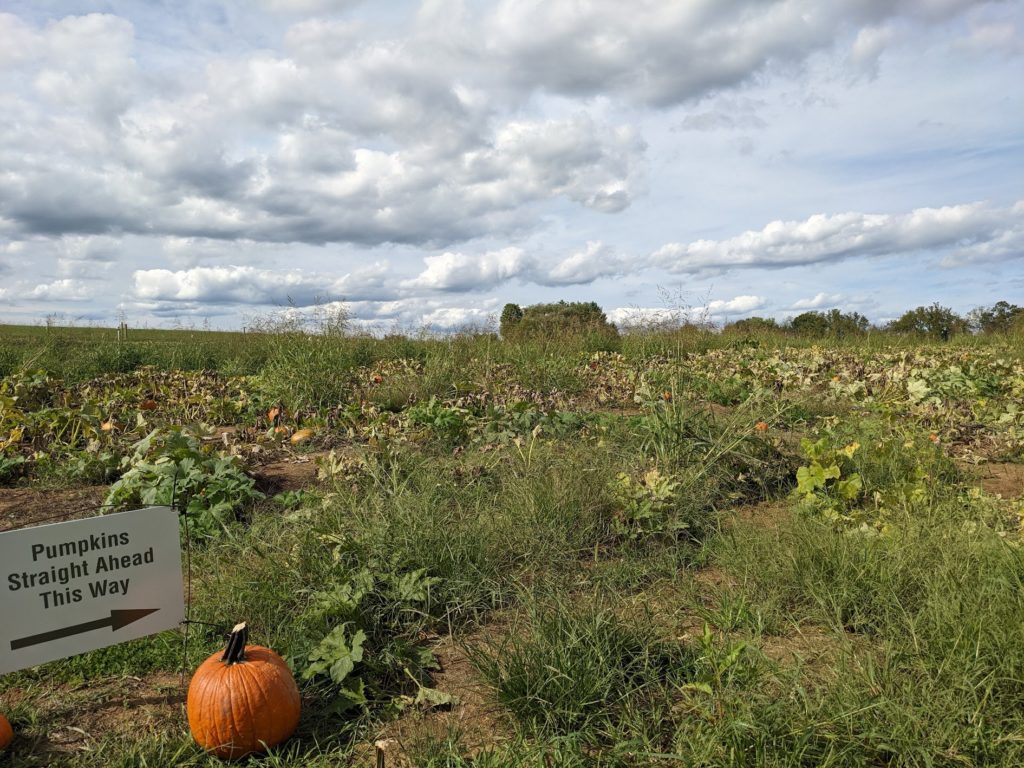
<point>6,733</point>
<point>242,701</point>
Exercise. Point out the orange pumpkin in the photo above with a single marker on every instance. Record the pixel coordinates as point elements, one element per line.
<point>242,701</point>
<point>6,733</point>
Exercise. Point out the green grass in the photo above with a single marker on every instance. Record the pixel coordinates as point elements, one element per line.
<point>501,495</point>
<point>580,669</point>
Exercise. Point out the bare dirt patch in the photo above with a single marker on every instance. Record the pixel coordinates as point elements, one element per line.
<point>293,474</point>
<point>26,506</point>
<point>804,646</point>
<point>767,514</point>
<point>1006,480</point>
<point>476,720</point>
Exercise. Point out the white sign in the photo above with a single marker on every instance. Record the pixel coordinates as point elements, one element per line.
<point>73,587</point>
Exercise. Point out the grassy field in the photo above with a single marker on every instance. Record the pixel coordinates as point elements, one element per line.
<point>667,549</point>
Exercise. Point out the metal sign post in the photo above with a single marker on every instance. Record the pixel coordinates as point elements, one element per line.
<point>73,587</point>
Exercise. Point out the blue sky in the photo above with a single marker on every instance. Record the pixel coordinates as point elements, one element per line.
<point>211,162</point>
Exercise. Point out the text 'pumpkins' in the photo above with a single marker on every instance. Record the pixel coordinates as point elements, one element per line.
<point>242,701</point>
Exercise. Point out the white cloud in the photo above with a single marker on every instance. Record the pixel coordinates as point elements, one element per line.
<point>142,152</point>
<point>970,231</point>
<point>61,290</point>
<point>416,314</point>
<point>595,261</point>
<point>455,318</point>
<point>590,164</point>
<point>342,138</point>
<point>868,48</point>
<point>348,137</point>
<point>820,299</point>
<point>87,63</point>
<point>462,272</point>
<point>474,272</point>
<point>715,311</point>
<point>249,285</point>
<point>739,304</point>
<point>1003,243</point>
<point>662,53</point>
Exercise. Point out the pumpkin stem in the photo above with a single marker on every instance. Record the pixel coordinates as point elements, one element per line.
<point>237,640</point>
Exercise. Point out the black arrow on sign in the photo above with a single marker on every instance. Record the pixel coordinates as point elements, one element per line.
<point>115,621</point>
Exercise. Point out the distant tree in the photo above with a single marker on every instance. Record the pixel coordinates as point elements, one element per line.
<point>510,317</point>
<point>847,323</point>
<point>809,324</point>
<point>833,324</point>
<point>753,325</point>
<point>999,318</point>
<point>549,320</point>
<point>936,321</point>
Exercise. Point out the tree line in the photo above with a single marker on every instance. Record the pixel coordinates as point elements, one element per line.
<point>934,321</point>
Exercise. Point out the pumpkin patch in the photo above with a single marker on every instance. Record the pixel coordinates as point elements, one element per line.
<point>551,556</point>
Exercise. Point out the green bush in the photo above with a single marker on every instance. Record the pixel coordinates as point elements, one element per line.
<point>549,321</point>
<point>172,466</point>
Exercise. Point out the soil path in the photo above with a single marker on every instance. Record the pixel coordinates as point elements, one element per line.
<point>1007,480</point>
<point>477,719</point>
<point>27,506</point>
<point>287,475</point>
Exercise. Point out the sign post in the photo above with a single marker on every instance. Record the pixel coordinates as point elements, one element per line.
<point>73,587</point>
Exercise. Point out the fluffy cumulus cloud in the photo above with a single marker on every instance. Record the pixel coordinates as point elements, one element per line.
<point>416,159</point>
<point>819,300</point>
<point>665,53</point>
<point>476,272</point>
<point>285,146</point>
<point>249,285</point>
<point>968,232</point>
<point>739,304</point>
<point>61,290</point>
<point>461,272</point>
<point>586,265</point>
<point>341,139</point>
